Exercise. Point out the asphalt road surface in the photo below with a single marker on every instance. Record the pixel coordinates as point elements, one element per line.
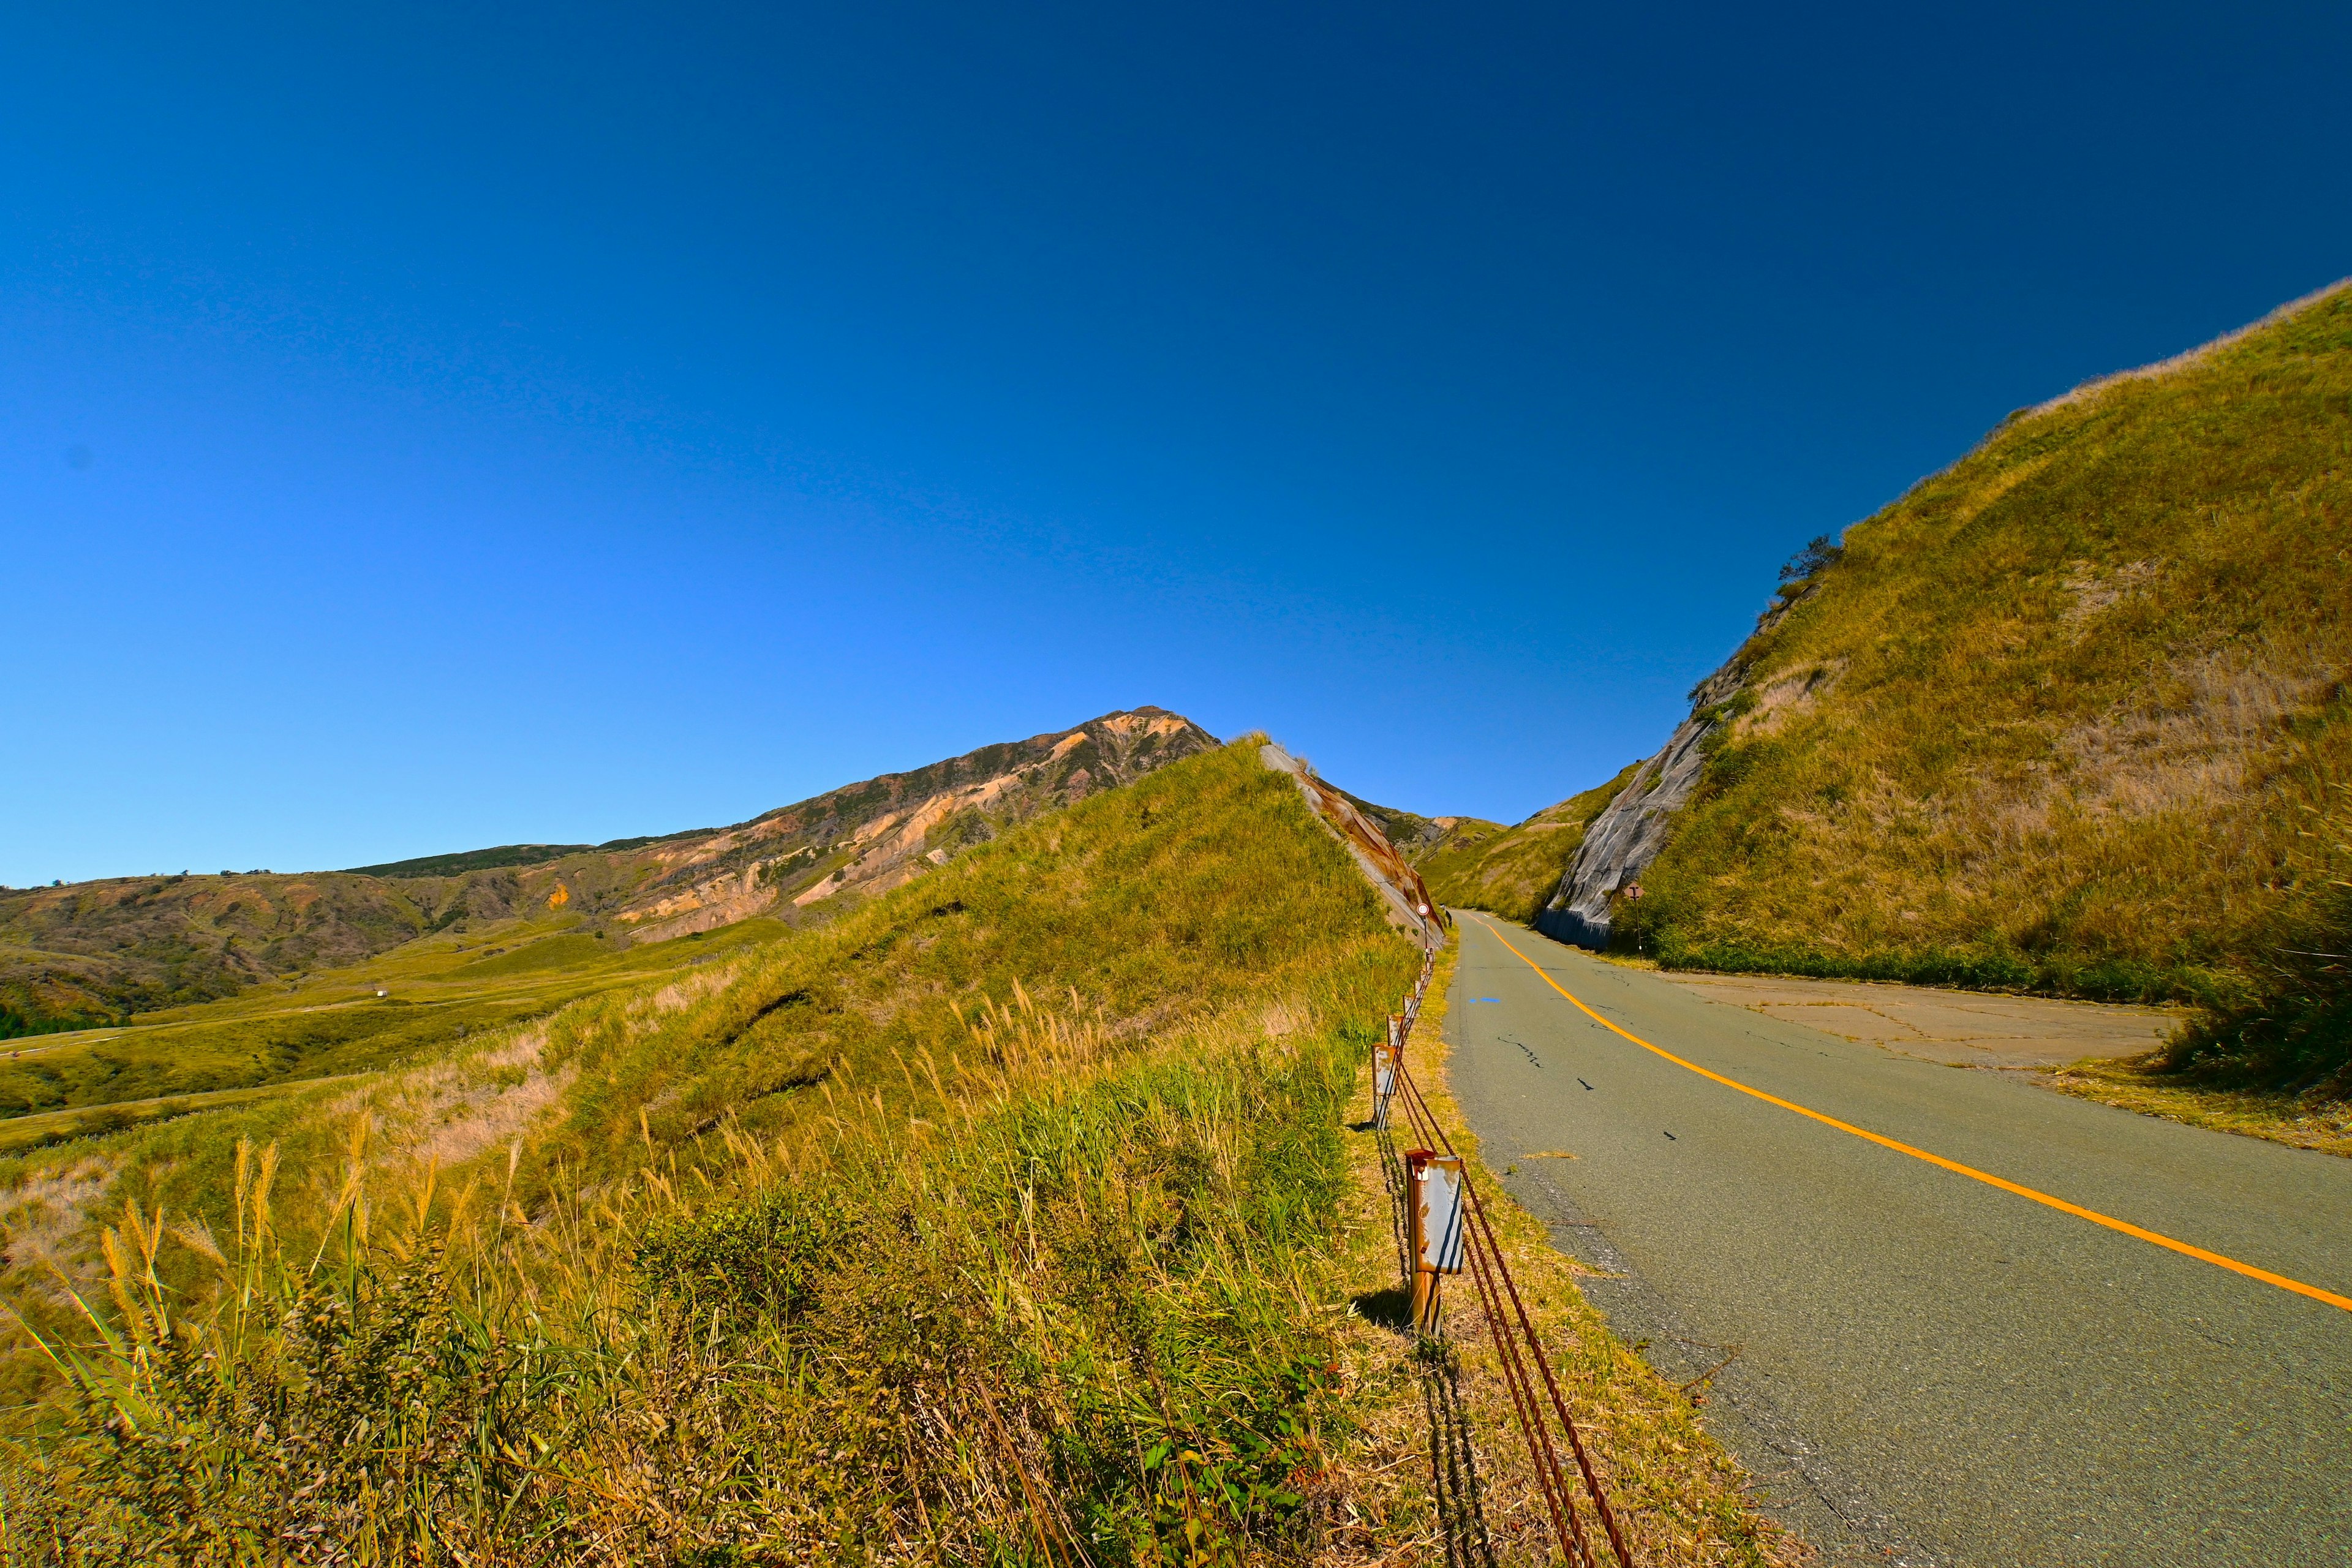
<point>1925,1367</point>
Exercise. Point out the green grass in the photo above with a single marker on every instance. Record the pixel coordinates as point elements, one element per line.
<point>1083,1316</point>
<point>567,950</point>
<point>1009,1219</point>
<point>995,1215</point>
<point>443,989</point>
<point>1514,871</point>
<point>2055,719</point>
<point>498,858</point>
<point>17,1025</point>
<point>46,1129</point>
<point>197,1059</point>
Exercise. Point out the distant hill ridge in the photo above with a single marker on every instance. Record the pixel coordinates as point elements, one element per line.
<point>95,952</point>
<point>512,854</point>
<point>1472,864</point>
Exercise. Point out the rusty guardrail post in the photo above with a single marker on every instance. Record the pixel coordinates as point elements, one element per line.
<point>1434,1195</point>
<point>1386,1057</point>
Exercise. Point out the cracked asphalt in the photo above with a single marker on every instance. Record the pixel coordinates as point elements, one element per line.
<point>1923,1368</point>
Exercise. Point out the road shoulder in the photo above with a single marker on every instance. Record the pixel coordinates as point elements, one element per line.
<point>2099,1051</point>
<point>1683,1495</point>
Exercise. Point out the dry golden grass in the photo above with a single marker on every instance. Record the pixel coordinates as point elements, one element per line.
<point>1000,1222</point>
<point>2056,716</point>
<point>2320,1121</point>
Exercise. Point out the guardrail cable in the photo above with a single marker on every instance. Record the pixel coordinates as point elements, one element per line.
<point>1515,1381</point>
<point>1519,1347</point>
<point>1526,1406</point>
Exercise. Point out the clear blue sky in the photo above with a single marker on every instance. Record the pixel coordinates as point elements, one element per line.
<point>426,428</point>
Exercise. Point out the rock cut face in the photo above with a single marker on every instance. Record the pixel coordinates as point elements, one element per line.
<point>1630,830</point>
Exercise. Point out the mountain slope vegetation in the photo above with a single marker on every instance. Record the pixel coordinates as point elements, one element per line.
<point>1510,871</point>
<point>398,1008</point>
<point>1416,838</point>
<point>996,1220</point>
<point>98,952</point>
<point>2062,715</point>
<point>2292,1026</point>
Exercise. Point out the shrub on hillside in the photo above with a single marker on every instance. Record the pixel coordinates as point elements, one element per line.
<point>2296,1033</point>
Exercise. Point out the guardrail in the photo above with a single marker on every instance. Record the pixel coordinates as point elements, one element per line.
<point>1443,1226</point>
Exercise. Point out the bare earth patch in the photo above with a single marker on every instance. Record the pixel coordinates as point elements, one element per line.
<point>2093,1049</point>
<point>1964,1028</point>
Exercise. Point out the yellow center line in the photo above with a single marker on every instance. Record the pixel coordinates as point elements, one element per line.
<point>2060,1205</point>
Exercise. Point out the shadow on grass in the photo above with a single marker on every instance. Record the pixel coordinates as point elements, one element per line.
<point>1453,1462</point>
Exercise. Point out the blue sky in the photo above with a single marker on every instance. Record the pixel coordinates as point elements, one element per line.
<point>423,428</point>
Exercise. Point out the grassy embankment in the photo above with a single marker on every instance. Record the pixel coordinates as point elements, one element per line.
<point>997,1221</point>
<point>2062,717</point>
<point>2277,1063</point>
<point>1514,871</point>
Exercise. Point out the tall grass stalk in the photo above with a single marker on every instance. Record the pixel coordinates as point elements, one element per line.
<point>1063,1322</point>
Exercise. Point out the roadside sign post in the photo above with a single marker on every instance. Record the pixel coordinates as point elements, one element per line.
<point>1433,1194</point>
<point>1385,1057</point>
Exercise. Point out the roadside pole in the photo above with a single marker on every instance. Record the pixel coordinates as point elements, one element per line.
<point>1434,1195</point>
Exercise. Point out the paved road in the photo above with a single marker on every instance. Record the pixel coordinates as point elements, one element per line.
<point>1929,1369</point>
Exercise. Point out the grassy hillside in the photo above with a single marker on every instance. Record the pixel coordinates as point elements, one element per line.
<point>1471,863</point>
<point>400,1006</point>
<point>953,1223</point>
<point>1512,870</point>
<point>98,954</point>
<point>2061,716</point>
<point>2293,1027</point>
<point>1000,1221</point>
<point>95,953</point>
<point>502,856</point>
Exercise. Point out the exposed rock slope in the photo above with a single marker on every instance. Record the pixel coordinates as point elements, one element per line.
<point>1628,833</point>
<point>1511,871</point>
<point>866,838</point>
<point>1362,829</point>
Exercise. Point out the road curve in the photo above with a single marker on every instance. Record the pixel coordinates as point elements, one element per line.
<point>1930,1368</point>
